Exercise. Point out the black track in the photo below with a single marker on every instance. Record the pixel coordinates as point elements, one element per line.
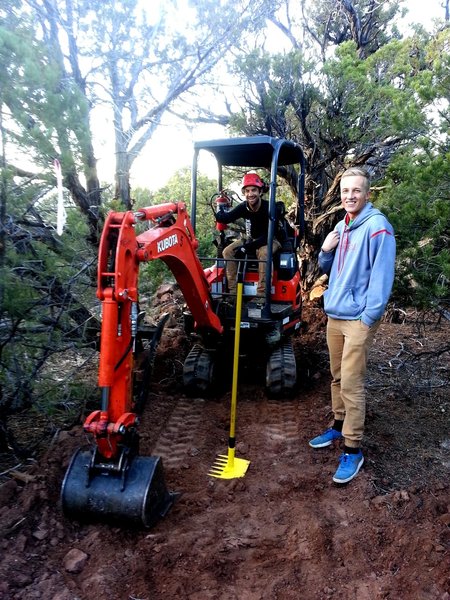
<point>198,370</point>
<point>281,371</point>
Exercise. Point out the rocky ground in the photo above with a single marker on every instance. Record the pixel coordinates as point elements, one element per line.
<point>284,530</point>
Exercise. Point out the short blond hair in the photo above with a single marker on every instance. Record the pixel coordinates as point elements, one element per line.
<point>358,171</point>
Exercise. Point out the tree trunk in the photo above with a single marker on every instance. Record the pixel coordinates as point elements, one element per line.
<point>123,189</point>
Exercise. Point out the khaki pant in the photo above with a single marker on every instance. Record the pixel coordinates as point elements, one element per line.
<point>261,255</point>
<point>348,344</point>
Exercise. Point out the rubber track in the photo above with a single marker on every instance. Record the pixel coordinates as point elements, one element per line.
<point>198,370</point>
<point>281,373</point>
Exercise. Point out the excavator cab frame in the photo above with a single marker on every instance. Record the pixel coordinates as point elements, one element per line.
<point>269,153</point>
<point>268,322</point>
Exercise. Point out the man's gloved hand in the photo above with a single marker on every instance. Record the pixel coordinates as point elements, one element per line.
<point>240,252</point>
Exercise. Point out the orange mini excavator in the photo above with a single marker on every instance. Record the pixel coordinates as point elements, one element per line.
<point>110,481</point>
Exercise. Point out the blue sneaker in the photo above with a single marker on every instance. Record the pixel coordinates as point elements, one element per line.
<point>326,438</point>
<point>349,466</point>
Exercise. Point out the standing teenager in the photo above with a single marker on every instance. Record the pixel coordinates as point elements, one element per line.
<point>359,257</point>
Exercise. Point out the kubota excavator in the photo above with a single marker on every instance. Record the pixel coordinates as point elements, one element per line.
<point>110,481</point>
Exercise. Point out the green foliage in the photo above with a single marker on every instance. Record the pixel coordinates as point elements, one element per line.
<point>178,189</point>
<point>48,109</point>
<point>151,276</point>
<point>45,279</point>
<point>415,195</point>
<point>333,23</point>
<point>370,100</point>
<point>273,85</point>
<point>359,94</point>
<point>416,189</point>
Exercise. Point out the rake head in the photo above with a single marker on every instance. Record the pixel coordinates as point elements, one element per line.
<point>229,467</point>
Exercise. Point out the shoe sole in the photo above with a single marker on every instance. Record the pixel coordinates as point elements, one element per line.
<point>360,464</point>
<point>325,444</point>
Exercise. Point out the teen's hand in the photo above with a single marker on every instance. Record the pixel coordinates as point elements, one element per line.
<point>331,241</point>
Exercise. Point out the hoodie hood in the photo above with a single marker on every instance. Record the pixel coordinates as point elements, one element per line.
<point>367,212</point>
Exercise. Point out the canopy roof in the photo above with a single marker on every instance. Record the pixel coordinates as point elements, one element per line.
<point>254,151</point>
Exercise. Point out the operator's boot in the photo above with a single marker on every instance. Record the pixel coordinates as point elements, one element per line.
<point>273,335</point>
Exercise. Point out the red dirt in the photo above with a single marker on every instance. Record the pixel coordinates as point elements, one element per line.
<point>284,531</point>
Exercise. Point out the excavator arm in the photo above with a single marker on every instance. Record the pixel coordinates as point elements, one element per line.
<point>170,237</point>
<point>112,482</point>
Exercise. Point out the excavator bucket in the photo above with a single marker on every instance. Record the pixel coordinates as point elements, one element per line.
<point>134,496</point>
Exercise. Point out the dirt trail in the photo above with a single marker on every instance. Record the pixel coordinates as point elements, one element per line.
<point>284,531</point>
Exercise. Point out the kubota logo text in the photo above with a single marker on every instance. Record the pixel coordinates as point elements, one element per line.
<point>167,242</point>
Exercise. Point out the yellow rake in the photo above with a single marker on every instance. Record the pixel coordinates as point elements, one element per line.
<point>227,466</point>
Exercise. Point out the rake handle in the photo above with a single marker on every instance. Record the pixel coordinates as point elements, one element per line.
<point>237,338</point>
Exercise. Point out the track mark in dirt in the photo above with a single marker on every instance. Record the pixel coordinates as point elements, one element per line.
<point>175,442</point>
<point>282,425</point>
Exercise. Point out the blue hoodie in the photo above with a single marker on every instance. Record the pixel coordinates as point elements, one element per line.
<point>361,268</point>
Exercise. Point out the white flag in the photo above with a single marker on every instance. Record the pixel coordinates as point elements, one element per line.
<point>61,211</point>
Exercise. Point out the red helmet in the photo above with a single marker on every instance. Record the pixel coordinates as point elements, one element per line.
<point>252,179</point>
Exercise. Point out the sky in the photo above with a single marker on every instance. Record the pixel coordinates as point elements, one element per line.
<point>171,147</point>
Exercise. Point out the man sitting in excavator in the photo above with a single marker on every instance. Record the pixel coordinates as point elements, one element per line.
<point>255,212</point>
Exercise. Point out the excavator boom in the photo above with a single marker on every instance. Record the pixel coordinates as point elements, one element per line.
<point>169,238</point>
<point>112,482</point>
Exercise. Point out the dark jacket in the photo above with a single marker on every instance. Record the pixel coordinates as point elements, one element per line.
<point>258,221</point>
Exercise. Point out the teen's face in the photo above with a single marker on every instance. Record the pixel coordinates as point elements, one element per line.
<point>354,194</point>
<point>252,194</point>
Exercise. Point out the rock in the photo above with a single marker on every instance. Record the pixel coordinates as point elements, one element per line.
<point>242,448</point>
<point>445,519</point>
<point>4,587</point>
<point>40,534</point>
<point>21,542</point>
<point>165,288</point>
<point>7,492</point>
<point>22,579</point>
<point>75,560</point>
<point>378,501</point>
<point>64,595</point>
